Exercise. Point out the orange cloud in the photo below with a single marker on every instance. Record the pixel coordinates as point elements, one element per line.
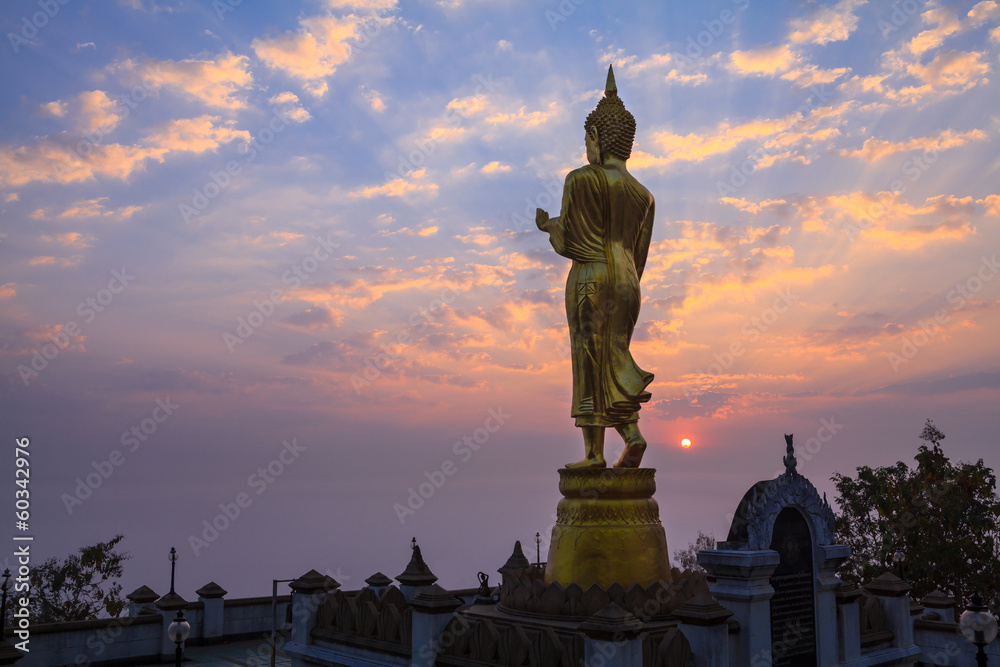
<point>917,237</point>
<point>97,110</point>
<point>322,44</point>
<point>399,187</point>
<point>885,219</point>
<point>810,75</point>
<point>726,137</point>
<point>478,236</point>
<point>683,75</point>
<point>992,204</point>
<point>827,24</point>
<point>289,106</point>
<point>949,72</point>
<point>375,100</point>
<point>983,12</point>
<point>952,69</point>
<point>470,106</point>
<point>445,132</point>
<point>44,333</point>
<point>70,239</point>
<point>93,110</point>
<point>947,24</point>
<point>784,62</point>
<point>217,82</point>
<point>655,60</point>
<point>776,139</point>
<point>61,262</point>
<point>364,291</point>
<point>875,149</point>
<point>55,109</point>
<point>49,161</point>
<point>406,231</point>
<point>769,60</point>
<point>693,79</point>
<point>521,118</point>
<point>752,208</point>
<point>493,167</point>
<point>195,135</point>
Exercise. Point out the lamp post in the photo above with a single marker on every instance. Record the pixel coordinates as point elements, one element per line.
<point>173,565</point>
<point>538,550</point>
<point>979,626</point>
<point>898,559</point>
<point>177,632</point>
<point>3,607</point>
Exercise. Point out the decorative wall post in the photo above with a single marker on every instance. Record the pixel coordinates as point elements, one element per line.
<point>612,638</point>
<point>213,617</point>
<point>433,608</point>
<point>941,604</point>
<point>848,623</point>
<point>705,623</point>
<point>167,606</point>
<point>378,582</point>
<point>742,585</point>
<point>139,598</point>
<point>308,592</point>
<point>829,558</point>
<point>893,592</point>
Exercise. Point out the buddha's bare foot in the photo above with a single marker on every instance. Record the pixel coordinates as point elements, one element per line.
<point>593,462</point>
<point>632,455</point>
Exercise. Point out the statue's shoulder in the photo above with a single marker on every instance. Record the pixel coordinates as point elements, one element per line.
<point>642,189</point>
<point>587,173</point>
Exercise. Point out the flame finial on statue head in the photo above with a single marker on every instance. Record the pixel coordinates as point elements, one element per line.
<point>611,90</point>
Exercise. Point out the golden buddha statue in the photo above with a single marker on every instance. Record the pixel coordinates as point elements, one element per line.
<point>605,227</point>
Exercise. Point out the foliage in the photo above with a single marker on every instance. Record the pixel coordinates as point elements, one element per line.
<point>944,516</point>
<point>81,587</point>
<point>687,559</point>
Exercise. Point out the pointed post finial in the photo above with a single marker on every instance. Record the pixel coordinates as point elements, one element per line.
<point>416,573</point>
<point>611,90</point>
<point>789,459</point>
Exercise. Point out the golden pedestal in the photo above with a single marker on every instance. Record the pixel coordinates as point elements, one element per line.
<point>607,530</point>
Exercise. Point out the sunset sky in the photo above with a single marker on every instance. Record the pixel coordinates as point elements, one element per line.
<point>226,227</point>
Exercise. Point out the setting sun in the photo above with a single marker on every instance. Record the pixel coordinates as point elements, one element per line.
<point>685,442</point>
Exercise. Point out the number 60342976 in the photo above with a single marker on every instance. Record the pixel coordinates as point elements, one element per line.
<point>22,474</point>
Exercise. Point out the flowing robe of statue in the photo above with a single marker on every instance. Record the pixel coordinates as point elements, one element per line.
<point>605,228</point>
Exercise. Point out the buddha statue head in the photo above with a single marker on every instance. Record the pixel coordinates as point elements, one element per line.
<point>614,124</point>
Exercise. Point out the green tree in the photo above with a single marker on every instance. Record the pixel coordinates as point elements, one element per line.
<point>687,559</point>
<point>944,516</point>
<point>81,587</point>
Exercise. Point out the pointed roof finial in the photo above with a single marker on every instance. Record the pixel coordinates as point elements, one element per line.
<point>416,573</point>
<point>517,561</point>
<point>611,90</point>
<point>789,459</point>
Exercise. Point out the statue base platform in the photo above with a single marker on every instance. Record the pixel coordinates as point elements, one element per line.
<point>607,530</point>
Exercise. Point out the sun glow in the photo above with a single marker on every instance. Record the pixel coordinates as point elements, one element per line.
<point>685,443</point>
